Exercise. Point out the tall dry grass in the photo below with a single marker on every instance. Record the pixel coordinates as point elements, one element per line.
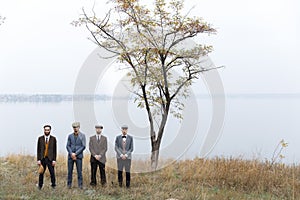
<point>218,178</point>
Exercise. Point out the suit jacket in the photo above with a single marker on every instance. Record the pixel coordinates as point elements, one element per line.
<point>128,147</point>
<point>52,148</point>
<point>76,145</point>
<point>98,148</point>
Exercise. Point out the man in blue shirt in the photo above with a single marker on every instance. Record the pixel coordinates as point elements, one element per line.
<point>75,146</point>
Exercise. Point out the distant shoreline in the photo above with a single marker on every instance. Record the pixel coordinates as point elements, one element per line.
<point>57,98</point>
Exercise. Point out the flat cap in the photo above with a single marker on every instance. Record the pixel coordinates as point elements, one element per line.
<point>124,126</point>
<point>76,124</point>
<point>98,126</point>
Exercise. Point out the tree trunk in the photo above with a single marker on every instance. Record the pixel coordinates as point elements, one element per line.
<point>155,143</point>
<point>154,159</point>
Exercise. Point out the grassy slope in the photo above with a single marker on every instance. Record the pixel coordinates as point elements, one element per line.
<point>194,179</point>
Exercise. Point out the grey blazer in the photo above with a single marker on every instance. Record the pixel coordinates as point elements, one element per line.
<point>76,146</point>
<point>128,147</point>
<point>98,148</point>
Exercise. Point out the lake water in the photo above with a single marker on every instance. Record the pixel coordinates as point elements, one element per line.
<point>252,128</point>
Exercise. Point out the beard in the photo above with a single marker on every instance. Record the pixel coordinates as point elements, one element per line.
<point>47,134</point>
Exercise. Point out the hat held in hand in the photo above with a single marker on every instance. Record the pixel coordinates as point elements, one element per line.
<point>41,169</point>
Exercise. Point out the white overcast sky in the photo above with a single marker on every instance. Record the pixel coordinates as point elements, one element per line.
<point>258,42</point>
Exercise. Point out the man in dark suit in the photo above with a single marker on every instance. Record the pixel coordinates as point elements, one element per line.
<point>98,148</point>
<point>75,146</point>
<point>124,148</point>
<point>46,155</point>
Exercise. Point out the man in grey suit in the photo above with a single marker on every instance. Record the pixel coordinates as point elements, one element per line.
<point>75,146</point>
<point>46,155</point>
<point>124,149</point>
<point>98,148</point>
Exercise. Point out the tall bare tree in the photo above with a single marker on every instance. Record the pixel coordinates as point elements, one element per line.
<point>149,42</point>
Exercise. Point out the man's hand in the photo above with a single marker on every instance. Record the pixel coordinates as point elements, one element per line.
<point>53,163</point>
<point>98,157</point>
<point>73,156</point>
<point>123,157</point>
<point>39,162</point>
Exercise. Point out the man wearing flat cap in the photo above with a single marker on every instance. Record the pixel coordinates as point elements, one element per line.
<point>75,146</point>
<point>98,148</point>
<point>124,149</point>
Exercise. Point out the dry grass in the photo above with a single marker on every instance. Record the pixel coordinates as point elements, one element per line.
<point>217,178</point>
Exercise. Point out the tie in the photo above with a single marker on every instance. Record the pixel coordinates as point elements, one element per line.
<point>98,138</point>
<point>124,145</point>
<point>46,148</point>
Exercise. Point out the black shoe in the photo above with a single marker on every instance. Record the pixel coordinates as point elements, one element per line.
<point>120,184</point>
<point>39,187</point>
<point>127,184</point>
<point>93,184</point>
<point>69,186</point>
<point>80,187</point>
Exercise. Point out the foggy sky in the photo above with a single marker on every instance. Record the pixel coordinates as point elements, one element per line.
<point>257,41</point>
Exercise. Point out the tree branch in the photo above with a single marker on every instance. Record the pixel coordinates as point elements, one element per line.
<point>190,77</point>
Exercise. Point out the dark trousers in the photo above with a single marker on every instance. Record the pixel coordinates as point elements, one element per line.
<point>47,163</point>
<point>94,166</point>
<point>124,164</point>
<point>79,171</point>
